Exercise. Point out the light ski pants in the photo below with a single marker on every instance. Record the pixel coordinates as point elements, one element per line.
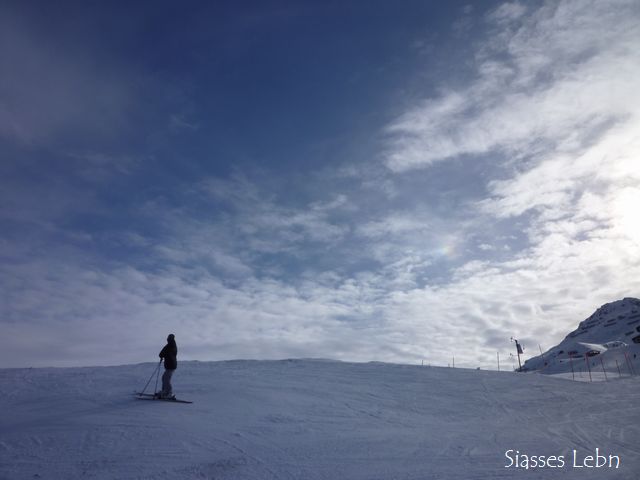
<point>166,382</point>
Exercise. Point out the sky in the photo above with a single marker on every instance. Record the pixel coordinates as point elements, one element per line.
<point>364,181</point>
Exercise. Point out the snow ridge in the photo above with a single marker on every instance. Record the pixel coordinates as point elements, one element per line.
<point>611,333</point>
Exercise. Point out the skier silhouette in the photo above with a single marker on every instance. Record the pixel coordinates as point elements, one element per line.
<point>169,353</point>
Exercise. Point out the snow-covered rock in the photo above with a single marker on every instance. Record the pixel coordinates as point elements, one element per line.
<point>608,340</point>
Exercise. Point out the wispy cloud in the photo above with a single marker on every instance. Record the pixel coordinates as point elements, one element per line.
<point>543,81</point>
<point>554,102</point>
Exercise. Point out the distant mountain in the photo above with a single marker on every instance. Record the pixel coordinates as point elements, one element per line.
<point>609,335</point>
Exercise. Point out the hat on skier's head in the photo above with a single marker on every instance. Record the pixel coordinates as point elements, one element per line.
<point>171,337</point>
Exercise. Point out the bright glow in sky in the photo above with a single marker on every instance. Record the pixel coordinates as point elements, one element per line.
<point>290,179</point>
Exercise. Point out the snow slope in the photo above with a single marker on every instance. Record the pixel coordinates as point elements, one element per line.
<point>304,419</point>
<point>613,331</point>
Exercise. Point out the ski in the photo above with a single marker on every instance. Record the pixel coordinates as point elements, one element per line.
<point>151,396</point>
<point>175,400</point>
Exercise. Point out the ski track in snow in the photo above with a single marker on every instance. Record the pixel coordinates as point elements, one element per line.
<point>302,419</point>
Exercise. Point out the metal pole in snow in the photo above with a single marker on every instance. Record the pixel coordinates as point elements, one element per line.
<point>573,375</point>
<point>629,364</point>
<point>586,359</point>
<point>618,365</point>
<point>603,370</point>
<point>626,360</point>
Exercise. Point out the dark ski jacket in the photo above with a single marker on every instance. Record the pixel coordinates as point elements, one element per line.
<point>170,354</point>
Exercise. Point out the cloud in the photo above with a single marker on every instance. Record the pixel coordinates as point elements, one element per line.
<point>508,12</point>
<point>554,104</point>
<point>550,80</point>
<point>340,201</point>
<point>267,223</point>
<point>395,224</point>
<point>74,310</point>
<point>99,167</point>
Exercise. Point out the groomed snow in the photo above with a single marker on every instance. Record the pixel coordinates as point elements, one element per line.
<point>305,419</point>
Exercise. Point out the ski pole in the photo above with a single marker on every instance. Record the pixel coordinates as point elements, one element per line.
<point>149,381</point>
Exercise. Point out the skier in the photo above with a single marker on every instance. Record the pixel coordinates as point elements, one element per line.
<point>169,353</point>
